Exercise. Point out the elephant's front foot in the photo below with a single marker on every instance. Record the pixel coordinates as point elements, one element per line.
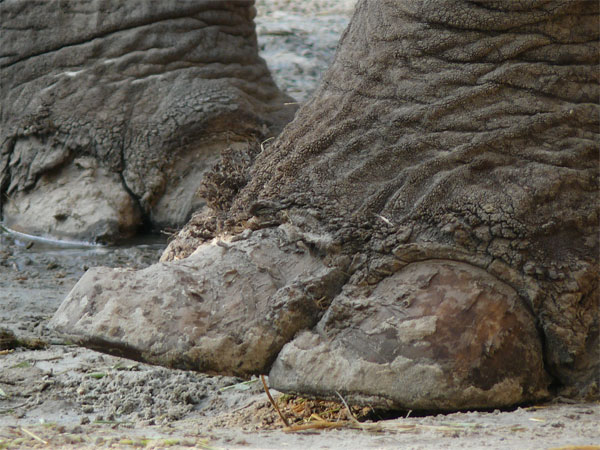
<point>226,309</point>
<point>436,335</point>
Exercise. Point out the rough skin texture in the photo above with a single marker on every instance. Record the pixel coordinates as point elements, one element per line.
<point>462,131</point>
<point>435,335</point>
<point>150,90</point>
<point>222,310</point>
<point>446,172</point>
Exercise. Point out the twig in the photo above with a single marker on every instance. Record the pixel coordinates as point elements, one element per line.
<point>52,358</point>
<point>37,438</point>
<point>262,148</point>
<point>5,410</point>
<point>354,419</point>
<point>242,407</point>
<point>287,424</point>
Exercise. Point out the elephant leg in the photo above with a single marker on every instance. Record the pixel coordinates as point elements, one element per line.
<point>111,113</point>
<point>447,170</point>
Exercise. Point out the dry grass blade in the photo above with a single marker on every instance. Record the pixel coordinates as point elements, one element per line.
<point>262,148</point>
<point>350,415</point>
<point>287,424</point>
<point>244,385</point>
<point>385,219</point>
<point>577,447</point>
<point>318,425</point>
<point>37,438</point>
<point>326,424</point>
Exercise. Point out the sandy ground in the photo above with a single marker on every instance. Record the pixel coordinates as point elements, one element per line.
<point>57,395</point>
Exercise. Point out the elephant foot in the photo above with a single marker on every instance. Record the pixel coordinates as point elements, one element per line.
<point>436,335</point>
<point>153,92</point>
<point>228,308</point>
<point>81,201</point>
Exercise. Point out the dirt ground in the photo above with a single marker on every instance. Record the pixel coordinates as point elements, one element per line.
<point>57,395</point>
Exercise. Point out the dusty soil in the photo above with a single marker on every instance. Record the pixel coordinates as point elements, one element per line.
<point>57,395</point>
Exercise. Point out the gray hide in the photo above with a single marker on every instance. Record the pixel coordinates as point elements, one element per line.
<point>113,110</point>
<point>447,167</point>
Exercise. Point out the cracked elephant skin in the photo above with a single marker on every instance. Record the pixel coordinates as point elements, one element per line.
<point>112,111</point>
<point>443,180</point>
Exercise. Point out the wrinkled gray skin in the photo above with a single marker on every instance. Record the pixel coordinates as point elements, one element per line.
<point>444,178</point>
<point>112,111</point>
